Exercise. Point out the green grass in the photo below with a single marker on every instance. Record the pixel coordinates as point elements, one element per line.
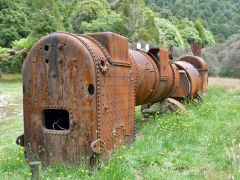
<point>11,78</point>
<point>202,144</point>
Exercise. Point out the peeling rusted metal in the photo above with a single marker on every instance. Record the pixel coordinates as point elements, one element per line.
<point>196,49</point>
<point>174,103</point>
<point>20,140</point>
<point>201,67</point>
<point>80,93</point>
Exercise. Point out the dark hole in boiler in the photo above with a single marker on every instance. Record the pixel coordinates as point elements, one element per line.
<point>102,63</point>
<point>46,47</point>
<point>46,60</point>
<point>91,89</point>
<point>56,119</point>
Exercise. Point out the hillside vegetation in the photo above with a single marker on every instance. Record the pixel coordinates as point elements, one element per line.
<point>157,22</point>
<point>23,22</point>
<point>220,17</point>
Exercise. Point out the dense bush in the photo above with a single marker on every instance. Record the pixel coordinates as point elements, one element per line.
<point>88,11</point>
<point>13,21</point>
<point>13,64</point>
<point>156,22</point>
<point>149,31</point>
<point>111,22</point>
<point>168,34</point>
<point>220,17</point>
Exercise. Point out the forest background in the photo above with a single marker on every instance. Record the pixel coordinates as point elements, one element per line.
<point>214,23</point>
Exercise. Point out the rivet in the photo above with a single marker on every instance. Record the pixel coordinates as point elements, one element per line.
<point>59,60</point>
<point>60,46</point>
<point>74,59</point>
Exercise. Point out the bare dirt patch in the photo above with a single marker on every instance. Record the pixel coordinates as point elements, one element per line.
<point>233,85</point>
<point>8,109</point>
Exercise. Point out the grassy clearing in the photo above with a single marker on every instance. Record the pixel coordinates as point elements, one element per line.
<point>203,144</point>
<point>233,85</point>
<point>11,78</point>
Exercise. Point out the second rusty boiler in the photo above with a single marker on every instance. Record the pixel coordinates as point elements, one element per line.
<point>80,93</point>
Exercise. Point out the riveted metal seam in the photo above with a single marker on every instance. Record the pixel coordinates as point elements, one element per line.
<point>106,53</point>
<point>155,71</point>
<point>98,81</point>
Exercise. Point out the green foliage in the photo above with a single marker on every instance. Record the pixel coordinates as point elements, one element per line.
<point>133,13</point>
<point>66,10</point>
<point>87,11</point>
<point>3,50</point>
<point>22,22</point>
<point>4,55</point>
<point>148,32</point>
<point>191,35</point>
<point>49,8</point>
<point>24,44</point>
<point>187,30</point>
<point>208,38</point>
<point>13,64</point>
<point>205,35</point>
<point>111,22</point>
<point>13,21</point>
<point>168,34</point>
<point>220,17</point>
<point>43,23</point>
<point>20,50</point>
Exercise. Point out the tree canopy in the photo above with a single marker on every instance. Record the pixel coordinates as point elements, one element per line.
<point>157,22</point>
<point>222,18</point>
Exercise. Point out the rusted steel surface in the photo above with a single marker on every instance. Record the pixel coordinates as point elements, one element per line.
<point>184,87</point>
<point>193,78</point>
<point>176,105</point>
<point>196,49</point>
<point>201,67</point>
<point>80,93</point>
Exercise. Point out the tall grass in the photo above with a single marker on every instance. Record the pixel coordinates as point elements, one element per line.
<point>202,144</point>
<point>11,78</point>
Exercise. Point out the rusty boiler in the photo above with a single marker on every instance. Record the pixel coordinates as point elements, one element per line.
<point>80,93</point>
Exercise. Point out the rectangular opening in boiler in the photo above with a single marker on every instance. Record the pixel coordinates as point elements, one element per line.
<point>56,119</point>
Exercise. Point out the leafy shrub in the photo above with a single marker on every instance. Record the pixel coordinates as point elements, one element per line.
<point>13,65</point>
<point>20,50</point>
<point>43,23</point>
<point>88,11</point>
<point>149,32</point>
<point>25,43</point>
<point>168,34</point>
<point>13,21</point>
<point>3,50</point>
<point>191,35</point>
<point>134,18</point>
<point>204,34</point>
<point>4,55</point>
<point>111,22</point>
